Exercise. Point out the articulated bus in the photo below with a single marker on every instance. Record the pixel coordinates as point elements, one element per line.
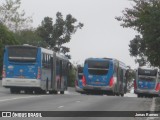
<point>34,70</point>
<point>78,81</point>
<point>147,82</point>
<point>104,75</point>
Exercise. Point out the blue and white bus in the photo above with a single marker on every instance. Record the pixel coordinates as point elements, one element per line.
<point>105,75</point>
<point>147,82</point>
<point>34,69</point>
<point>78,81</point>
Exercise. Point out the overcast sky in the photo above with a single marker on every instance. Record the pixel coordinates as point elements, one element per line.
<point>101,36</point>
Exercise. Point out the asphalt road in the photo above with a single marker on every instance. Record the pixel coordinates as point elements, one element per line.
<point>72,101</point>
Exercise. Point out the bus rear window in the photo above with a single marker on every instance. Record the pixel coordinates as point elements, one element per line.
<point>98,67</point>
<point>147,79</point>
<point>147,72</point>
<point>22,54</point>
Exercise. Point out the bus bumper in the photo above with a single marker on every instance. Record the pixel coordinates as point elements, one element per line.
<point>102,88</point>
<point>149,92</point>
<point>17,82</point>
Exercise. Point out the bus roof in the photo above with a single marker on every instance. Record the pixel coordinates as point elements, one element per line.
<point>61,56</point>
<point>20,46</point>
<point>46,51</point>
<point>57,54</point>
<point>121,64</point>
<point>148,67</point>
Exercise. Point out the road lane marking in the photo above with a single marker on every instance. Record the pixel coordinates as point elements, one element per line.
<point>60,107</point>
<point>152,109</point>
<point>78,101</point>
<point>17,98</point>
<point>153,105</point>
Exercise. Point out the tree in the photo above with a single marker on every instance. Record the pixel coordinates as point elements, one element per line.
<point>55,35</point>
<point>144,17</point>
<point>45,31</point>
<point>6,38</point>
<point>72,76</point>
<point>30,37</point>
<point>11,17</point>
<point>130,74</point>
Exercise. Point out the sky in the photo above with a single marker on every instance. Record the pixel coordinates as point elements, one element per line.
<point>101,36</point>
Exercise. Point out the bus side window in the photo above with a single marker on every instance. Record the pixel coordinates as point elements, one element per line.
<point>49,61</point>
<point>43,60</point>
<point>57,67</point>
<point>115,70</point>
<point>46,61</point>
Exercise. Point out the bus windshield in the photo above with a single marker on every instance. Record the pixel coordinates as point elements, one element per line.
<point>149,79</point>
<point>98,67</point>
<point>22,54</point>
<point>147,72</point>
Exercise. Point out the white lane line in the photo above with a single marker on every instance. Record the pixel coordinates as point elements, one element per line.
<point>153,104</point>
<point>152,109</point>
<point>60,107</point>
<point>17,98</point>
<point>78,101</point>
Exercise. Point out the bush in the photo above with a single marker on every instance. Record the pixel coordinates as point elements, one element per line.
<point>72,77</point>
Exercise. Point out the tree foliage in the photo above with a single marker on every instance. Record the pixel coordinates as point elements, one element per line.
<point>11,16</point>
<point>72,77</point>
<point>144,17</point>
<point>59,33</point>
<point>29,36</point>
<point>6,38</point>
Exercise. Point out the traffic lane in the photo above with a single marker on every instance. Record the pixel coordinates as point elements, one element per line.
<point>90,104</point>
<point>79,98</point>
<point>109,103</point>
<point>74,102</point>
<point>78,102</point>
<point>36,102</point>
<point>71,90</point>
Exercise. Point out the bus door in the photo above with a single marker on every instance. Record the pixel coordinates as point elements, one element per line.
<point>118,79</point>
<point>53,71</point>
<point>124,81</point>
<point>60,75</point>
<point>121,80</point>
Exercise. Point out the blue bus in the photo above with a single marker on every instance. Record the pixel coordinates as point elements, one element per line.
<point>78,81</point>
<point>147,82</point>
<point>104,75</point>
<point>34,70</point>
